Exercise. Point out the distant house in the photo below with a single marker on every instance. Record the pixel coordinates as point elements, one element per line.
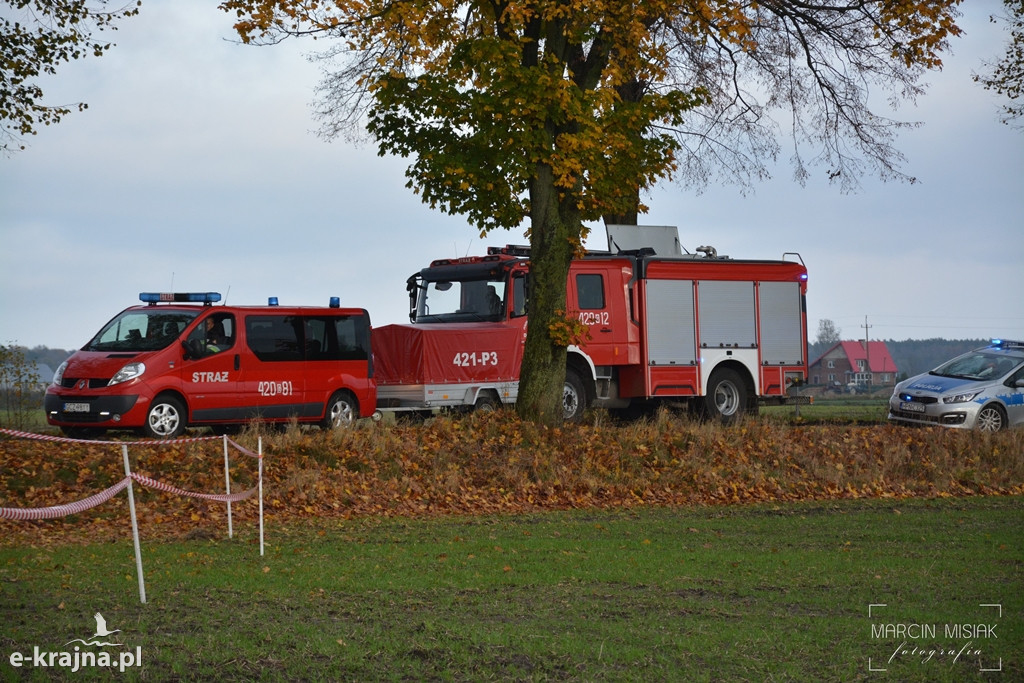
<point>854,363</point>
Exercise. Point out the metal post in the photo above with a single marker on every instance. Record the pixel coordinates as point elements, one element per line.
<point>135,525</point>
<point>260,483</point>
<point>227,485</point>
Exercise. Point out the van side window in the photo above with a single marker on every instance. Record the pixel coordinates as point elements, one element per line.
<point>336,338</point>
<point>214,334</point>
<point>274,337</point>
<point>590,291</point>
<point>314,338</point>
<point>353,338</point>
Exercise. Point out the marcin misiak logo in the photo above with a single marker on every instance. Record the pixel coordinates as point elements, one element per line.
<point>90,654</point>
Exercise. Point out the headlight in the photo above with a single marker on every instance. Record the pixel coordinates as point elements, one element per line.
<point>960,398</point>
<point>130,371</point>
<point>58,376</point>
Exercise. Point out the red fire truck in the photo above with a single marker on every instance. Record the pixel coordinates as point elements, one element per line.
<point>715,333</point>
<point>179,360</point>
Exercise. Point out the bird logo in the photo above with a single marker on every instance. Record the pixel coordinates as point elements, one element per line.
<point>101,627</point>
<point>101,632</point>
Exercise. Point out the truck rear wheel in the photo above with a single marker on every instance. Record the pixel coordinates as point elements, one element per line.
<point>726,397</point>
<point>166,418</point>
<point>341,411</point>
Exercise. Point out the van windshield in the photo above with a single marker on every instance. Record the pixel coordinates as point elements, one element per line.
<point>150,329</point>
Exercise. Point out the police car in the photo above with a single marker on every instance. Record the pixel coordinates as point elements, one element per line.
<point>982,389</point>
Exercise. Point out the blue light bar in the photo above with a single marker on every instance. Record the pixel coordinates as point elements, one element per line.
<point>179,297</point>
<point>271,300</point>
<point>335,302</point>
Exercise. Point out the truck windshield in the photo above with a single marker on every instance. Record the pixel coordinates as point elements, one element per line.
<point>148,329</point>
<point>464,300</point>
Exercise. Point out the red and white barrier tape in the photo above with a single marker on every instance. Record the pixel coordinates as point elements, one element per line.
<point>219,497</point>
<point>65,510</point>
<point>244,451</point>
<point>64,439</point>
<point>104,496</point>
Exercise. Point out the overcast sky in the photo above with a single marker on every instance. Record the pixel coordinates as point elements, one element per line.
<point>196,168</point>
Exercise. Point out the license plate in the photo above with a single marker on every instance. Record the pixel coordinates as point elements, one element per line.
<point>911,407</point>
<point>76,407</point>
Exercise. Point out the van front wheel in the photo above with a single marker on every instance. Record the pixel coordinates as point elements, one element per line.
<point>166,418</point>
<point>341,411</point>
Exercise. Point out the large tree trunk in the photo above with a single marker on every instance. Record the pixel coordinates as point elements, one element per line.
<point>553,228</point>
<point>624,218</point>
<point>630,91</point>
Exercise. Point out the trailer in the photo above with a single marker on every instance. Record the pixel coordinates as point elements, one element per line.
<point>710,332</point>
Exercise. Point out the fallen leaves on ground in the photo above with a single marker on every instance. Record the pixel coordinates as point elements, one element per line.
<point>495,463</point>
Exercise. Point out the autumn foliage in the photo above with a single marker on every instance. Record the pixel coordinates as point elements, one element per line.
<point>496,463</point>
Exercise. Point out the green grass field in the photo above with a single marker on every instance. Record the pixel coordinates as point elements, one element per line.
<point>765,592</point>
<point>832,410</point>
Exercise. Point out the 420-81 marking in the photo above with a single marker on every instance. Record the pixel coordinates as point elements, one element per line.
<point>275,388</point>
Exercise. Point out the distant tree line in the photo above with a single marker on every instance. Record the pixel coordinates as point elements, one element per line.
<point>912,356</point>
<point>45,355</point>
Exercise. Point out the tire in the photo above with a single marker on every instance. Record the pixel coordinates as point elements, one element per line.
<point>726,399</point>
<point>486,403</point>
<point>166,418</point>
<point>990,419</point>
<point>574,397</point>
<point>226,430</point>
<point>82,432</point>
<point>341,413</point>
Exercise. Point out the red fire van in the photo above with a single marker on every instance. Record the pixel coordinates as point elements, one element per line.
<point>178,360</point>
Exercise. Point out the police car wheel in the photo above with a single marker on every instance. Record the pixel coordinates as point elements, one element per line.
<point>990,419</point>
<point>341,411</point>
<point>165,419</point>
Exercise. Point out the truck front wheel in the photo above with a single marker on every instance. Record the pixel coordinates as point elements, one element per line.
<point>574,397</point>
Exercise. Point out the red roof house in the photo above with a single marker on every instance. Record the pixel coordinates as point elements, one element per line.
<point>854,362</point>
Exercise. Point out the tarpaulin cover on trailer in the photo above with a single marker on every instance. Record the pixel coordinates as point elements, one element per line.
<point>447,353</point>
